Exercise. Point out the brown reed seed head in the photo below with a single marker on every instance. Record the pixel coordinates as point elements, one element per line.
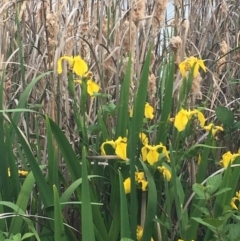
<point>138,10</point>
<point>224,8</point>
<point>129,31</point>
<point>152,89</point>
<point>69,40</point>
<point>175,44</point>
<point>224,47</point>
<point>196,87</point>
<point>42,9</point>
<point>159,14</point>
<point>52,28</point>
<point>222,61</point>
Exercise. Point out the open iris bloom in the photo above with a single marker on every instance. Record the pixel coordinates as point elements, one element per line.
<point>139,178</point>
<point>151,154</point>
<point>77,64</point>
<point>183,116</point>
<point>120,146</point>
<point>189,63</point>
<point>228,158</point>
<point>80,68</point>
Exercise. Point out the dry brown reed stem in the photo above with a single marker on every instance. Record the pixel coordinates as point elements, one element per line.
<point>69,40</point>
<point>175,44</point>
<point>128,42</point>
<point>196,88</point>
<point>159,15</point>
<point>152,89</point>
<point>222,61</point>
<point>84,29</point>
<point>52,24</point>
<point>138,11</point>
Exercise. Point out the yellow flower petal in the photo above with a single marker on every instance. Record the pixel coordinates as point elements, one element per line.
<point>80,66</point>
<point>92,87</point>
<point>144,151</point>
<point>59,63</point>
<point>166,173</point>
<point>127,185</point>
<point>201,118</point>
<point>228,158</point>
<point>22,173</point>
<point>139,233</point>
<point>144,185</point>
<point>181,120</point>
<point>232,203</point>
<point>148,112</point>
<point>143,137</point>
<point>112,143</point>
<point>238,195</point>
<point>121,148</point>
<point>189,63</point>
<point>139,176</point>
<point>152,156</point>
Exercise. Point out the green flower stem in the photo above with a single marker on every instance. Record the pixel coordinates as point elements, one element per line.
<point>80,119</point>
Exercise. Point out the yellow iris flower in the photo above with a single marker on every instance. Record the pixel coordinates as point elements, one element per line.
<point>183,116</point>
<point>92,87</point>
<point>120,146</point>
<point>77,64</point>
<point>233,200</point>
<point>166,173</point>
<point>139,233</point>
<point>127,185</point>
<point>189,63</point>
<point>21,173</point>
<point>213,129</point>
<point>227,158</point>
<point>150,153</point>
<point>139,178</point>
<point>148,111</point>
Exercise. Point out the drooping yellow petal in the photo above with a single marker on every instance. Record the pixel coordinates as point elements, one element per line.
<point>216,129</point>
<point>143,137</point>
<point>144,185</point>
<point>148,112</point>
<point>144,151</point>
<point>152,156</point>
<point>59,63</point>
<point>201,118</point>
<point>139,233</point>
<point>112,143</point>
<point>208,127</point>
<point>238,195</point>
<point>166,173</point>
<point>22,173</point>
<point>228,158</point>
<point>127,185</point>
<point>121,148</point>
<point>80,66</point>
<point>189,63</point>
<point>92,87</point>
<point>181,120</point>
<point>165,152</point>
<point>202,65</point>
<point>232,203</point>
